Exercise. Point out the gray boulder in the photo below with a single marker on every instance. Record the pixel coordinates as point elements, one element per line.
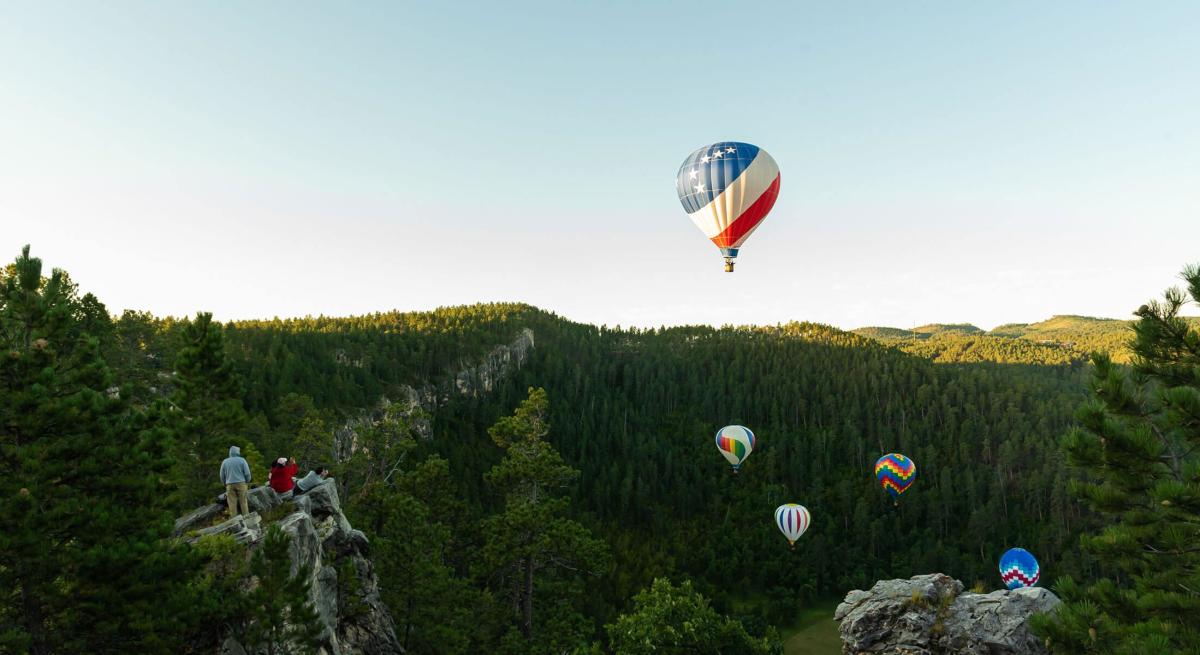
<point>931,615</point>
<point>261,499</point>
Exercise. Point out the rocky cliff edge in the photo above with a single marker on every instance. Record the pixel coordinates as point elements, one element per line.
<point>323,539</point>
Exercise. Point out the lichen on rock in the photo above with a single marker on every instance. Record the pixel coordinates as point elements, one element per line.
<point>931,615</point>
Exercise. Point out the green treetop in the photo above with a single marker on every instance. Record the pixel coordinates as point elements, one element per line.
<point>208,413</point>
<point>532,547</point>
<point>83,557</point>
<point>1138,457</point>
<point>677,620</point>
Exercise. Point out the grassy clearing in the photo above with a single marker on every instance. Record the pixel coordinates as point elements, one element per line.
<point>814,632</point>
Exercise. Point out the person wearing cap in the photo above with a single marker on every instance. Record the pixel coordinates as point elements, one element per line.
<point>282,472</point>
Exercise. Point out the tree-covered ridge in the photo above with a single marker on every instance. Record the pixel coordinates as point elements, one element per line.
<point>944,328</point>
<point>953,348</point>
<point>1059,340</point>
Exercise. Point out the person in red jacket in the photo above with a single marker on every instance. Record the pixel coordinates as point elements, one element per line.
<point>282,472</point>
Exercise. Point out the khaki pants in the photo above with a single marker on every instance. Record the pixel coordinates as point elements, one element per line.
<point>235,495</point>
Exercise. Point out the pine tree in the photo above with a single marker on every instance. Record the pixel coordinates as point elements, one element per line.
<point>208,412</point>
<point>83,553</point>
<point>678,620</point>
<point>532,539</point>
<point>1138,456</point>
<point>280,618</point>
<point>435,611</point>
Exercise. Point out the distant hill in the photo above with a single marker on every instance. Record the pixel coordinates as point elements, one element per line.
<point>922,332</point>
<point>944,328</point>
<point>884,333</point>
<point>1059,340</point>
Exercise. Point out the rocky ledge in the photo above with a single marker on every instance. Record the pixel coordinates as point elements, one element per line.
<point>931,615</point>
<point>323,540</point>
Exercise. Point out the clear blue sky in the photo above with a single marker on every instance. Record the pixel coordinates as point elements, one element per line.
<point>983,162</point>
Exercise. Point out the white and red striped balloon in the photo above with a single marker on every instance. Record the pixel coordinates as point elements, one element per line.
<point>793,521</point>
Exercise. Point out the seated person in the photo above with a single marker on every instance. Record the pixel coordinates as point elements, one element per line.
<point>282,472</point>
<point>314,478</point>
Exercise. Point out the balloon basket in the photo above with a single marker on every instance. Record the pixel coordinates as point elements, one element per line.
<point>728,265</point>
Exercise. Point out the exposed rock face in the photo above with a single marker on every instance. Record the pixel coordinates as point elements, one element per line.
<point>418,403</point>
<point>323,540</point>
<point>930,615</point>
<point>482,378</point>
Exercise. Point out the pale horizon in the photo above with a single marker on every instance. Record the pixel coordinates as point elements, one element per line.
<point>116,311</point>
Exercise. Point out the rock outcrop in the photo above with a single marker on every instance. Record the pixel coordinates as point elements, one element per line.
<point>419,403</point>
<point>324,541</point>
<point>482,378</point>
<point>931,615</point>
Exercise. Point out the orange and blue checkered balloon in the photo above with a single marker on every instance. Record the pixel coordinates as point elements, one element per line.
<point>895,473</point>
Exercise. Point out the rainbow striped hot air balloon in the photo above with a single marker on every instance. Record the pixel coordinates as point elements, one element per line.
<point>793,521</point>
<point>735,443</point>
<point>727,189</point>
<point>1018,568</point>
<point>895,473</point>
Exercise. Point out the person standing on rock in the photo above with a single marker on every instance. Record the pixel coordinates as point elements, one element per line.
<point>235,475</point>
<point>282,472</point>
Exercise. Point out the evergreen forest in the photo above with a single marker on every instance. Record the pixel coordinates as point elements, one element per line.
<point>529,483</point>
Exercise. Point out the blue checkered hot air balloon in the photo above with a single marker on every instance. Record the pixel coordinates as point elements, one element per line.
<point>1018,568</point>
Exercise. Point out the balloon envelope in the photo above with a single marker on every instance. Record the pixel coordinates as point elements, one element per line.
<point>1019,568</point>
<point>727,188</point>
<point>735,443</point>
<point>793,521</point>
<point>895,473</point>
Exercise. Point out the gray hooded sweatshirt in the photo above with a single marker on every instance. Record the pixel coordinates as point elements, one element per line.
<point>235,469</point>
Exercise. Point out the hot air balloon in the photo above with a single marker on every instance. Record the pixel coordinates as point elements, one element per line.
<point>1018,568</point>
<point>727,189</point>
<point>735,443</point>
<point>895,473</point>
<point>792,520</point>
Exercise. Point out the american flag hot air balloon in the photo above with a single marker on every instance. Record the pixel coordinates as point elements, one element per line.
<point>727,189</point>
